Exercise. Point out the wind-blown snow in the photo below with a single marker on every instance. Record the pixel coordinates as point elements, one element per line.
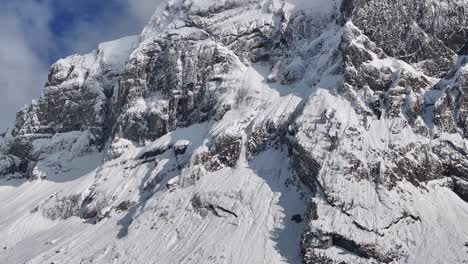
<point>115,53</point>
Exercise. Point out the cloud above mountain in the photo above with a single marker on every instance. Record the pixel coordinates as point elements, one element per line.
<point>35,33</point>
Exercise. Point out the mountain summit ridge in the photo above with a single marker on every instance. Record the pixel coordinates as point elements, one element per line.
<point>250,131</point>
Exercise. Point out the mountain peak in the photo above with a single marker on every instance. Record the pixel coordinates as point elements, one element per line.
<point>243,131</point>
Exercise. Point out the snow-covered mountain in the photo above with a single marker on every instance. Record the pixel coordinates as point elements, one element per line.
<point>250,131</point>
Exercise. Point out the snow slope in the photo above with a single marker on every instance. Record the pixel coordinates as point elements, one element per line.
<point>167,228</point>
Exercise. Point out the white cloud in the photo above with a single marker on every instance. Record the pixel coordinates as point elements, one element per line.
<point>142,9</point>
<point>22,47</point>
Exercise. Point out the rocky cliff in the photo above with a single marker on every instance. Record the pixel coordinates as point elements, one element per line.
<point>250,131</point>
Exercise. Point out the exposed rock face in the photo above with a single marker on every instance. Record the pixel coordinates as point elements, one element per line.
<point>77,91</point>
<point>354,109</point>
<point>427,32</point>
<point>170,84</point>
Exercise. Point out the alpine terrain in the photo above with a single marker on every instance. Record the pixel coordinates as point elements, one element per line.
<point>250,131</point>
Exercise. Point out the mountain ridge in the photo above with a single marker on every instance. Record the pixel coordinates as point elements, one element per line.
<point>207,137</point>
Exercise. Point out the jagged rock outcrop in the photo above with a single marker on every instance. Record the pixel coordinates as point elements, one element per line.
<point>77,92</point>
<point>429,33</point>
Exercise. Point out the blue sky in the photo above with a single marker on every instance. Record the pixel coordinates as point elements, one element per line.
<point>35,33</point>
<point>68,15</point>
